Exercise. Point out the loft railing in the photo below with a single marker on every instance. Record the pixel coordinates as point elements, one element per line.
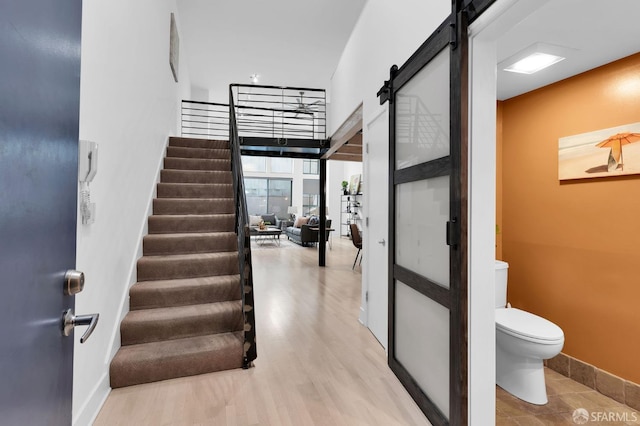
<point>280,112</point>
<point>244,240</point>
<point>205,119</point>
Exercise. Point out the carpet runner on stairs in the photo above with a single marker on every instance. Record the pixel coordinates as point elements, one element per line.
<point>186,308</point>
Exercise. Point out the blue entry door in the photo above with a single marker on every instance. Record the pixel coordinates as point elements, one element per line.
<point>39,108</point>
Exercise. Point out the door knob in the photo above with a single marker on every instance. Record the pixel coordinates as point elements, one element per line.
<point>382,241</point>
<point>73,282</point>
<point>71,320</point>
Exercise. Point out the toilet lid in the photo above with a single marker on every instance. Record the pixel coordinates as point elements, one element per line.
<point>527,325</point>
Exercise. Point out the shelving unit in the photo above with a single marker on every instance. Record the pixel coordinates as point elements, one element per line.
<point>350,212</point>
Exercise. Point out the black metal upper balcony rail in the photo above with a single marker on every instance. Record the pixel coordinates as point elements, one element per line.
<point>205,119</point>
<point>278,120</point>
<point>280,112</point>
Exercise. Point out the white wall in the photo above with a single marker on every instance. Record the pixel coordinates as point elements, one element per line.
<point>199,94</point>
<point>129,105</point>
<point>386,34</point>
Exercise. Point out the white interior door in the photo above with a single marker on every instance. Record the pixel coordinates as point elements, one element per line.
<point>376,135</point>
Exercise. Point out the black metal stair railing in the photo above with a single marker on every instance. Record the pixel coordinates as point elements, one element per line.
<point>204,119</point>
<point>244,240</point>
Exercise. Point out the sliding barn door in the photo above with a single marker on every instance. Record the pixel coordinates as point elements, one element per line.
<point>427,229</point>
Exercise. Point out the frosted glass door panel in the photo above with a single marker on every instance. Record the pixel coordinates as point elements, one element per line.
<point>422,115</point>
<point>422,342</point>
<point>422,212</point>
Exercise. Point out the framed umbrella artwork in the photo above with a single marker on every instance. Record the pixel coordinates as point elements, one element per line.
<point>603,153</point>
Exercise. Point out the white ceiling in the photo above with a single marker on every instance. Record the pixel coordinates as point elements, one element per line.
<point>299,42</point>
<point>287,42</point>
<point>600,32</point>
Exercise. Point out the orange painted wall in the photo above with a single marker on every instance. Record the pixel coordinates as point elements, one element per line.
<point>574,247</point>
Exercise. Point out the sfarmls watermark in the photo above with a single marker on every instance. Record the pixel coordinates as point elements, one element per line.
<point>582,416</point>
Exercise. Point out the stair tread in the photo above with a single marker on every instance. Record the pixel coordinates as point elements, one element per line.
<point>193,184</point>
<point>212,164</point>
<point>153,351</point>
<point>185,312</point>
<point>185,242</point>
<point>184,282</point>
<point>189,206</point>
<point>181,200</point>
<point>194,235</point>
<point>201,153</point>
<point>178,139</point>
<point>193,216</point>
<point>187,256</point>
<point>195,176</point>
<point>187,223</point>
<point>149,362</point>
<point>194,190</point>
<point>184,291</point>
<point>198,172</point>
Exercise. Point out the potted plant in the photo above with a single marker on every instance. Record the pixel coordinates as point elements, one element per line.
<point>344,187</point>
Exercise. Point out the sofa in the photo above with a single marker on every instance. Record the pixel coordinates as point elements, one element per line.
<point>302,233</point>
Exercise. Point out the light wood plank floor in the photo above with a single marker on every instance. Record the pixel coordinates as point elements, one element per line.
<point>317,365</point>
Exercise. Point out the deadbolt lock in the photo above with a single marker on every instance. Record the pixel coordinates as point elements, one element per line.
<point>73,282</point>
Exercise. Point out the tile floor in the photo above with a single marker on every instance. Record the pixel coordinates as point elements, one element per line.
<point>565,396</point>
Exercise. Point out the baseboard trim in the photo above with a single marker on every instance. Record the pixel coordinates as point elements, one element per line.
<point>363,316</point>
<point>89,411</point>
<point>616,388</point>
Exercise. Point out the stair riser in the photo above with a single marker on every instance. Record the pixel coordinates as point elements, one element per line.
<point>168,269</point>
<point>195,176</point>
<point>129,370</point>
<point>194,190</point>
<point>213,321</point>
<point>180,152</point>
<point>166,206</point>
<point>170,224</point>
<point>141,297</point>
<point>198,143</point>
<point>159,244</point>
<point>196,164</point>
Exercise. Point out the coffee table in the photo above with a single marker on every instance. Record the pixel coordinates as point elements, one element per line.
<point>267,234</point>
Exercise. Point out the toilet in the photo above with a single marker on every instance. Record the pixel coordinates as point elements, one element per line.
<point>523,341</point>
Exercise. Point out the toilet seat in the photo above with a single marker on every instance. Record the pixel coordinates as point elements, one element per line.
<point>527,326</point>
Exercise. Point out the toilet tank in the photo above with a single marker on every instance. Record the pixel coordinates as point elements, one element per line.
<point>502,270</point>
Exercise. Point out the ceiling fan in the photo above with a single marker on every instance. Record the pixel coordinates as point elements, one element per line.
<point>305,108</point>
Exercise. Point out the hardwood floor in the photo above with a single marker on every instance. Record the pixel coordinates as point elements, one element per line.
<point>317,365</point>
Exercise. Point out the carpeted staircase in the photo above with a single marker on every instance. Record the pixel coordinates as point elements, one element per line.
<point>186,310</point>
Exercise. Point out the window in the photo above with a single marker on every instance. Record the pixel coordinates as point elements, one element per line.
<point>254,164</point>
<point>310,167</point>
<point>268,196</point>
<point>310,195</point>
<point>281,165</point>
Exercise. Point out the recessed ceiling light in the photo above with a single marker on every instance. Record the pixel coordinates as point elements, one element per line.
<point>533,63</point>
<point>534,58</point>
